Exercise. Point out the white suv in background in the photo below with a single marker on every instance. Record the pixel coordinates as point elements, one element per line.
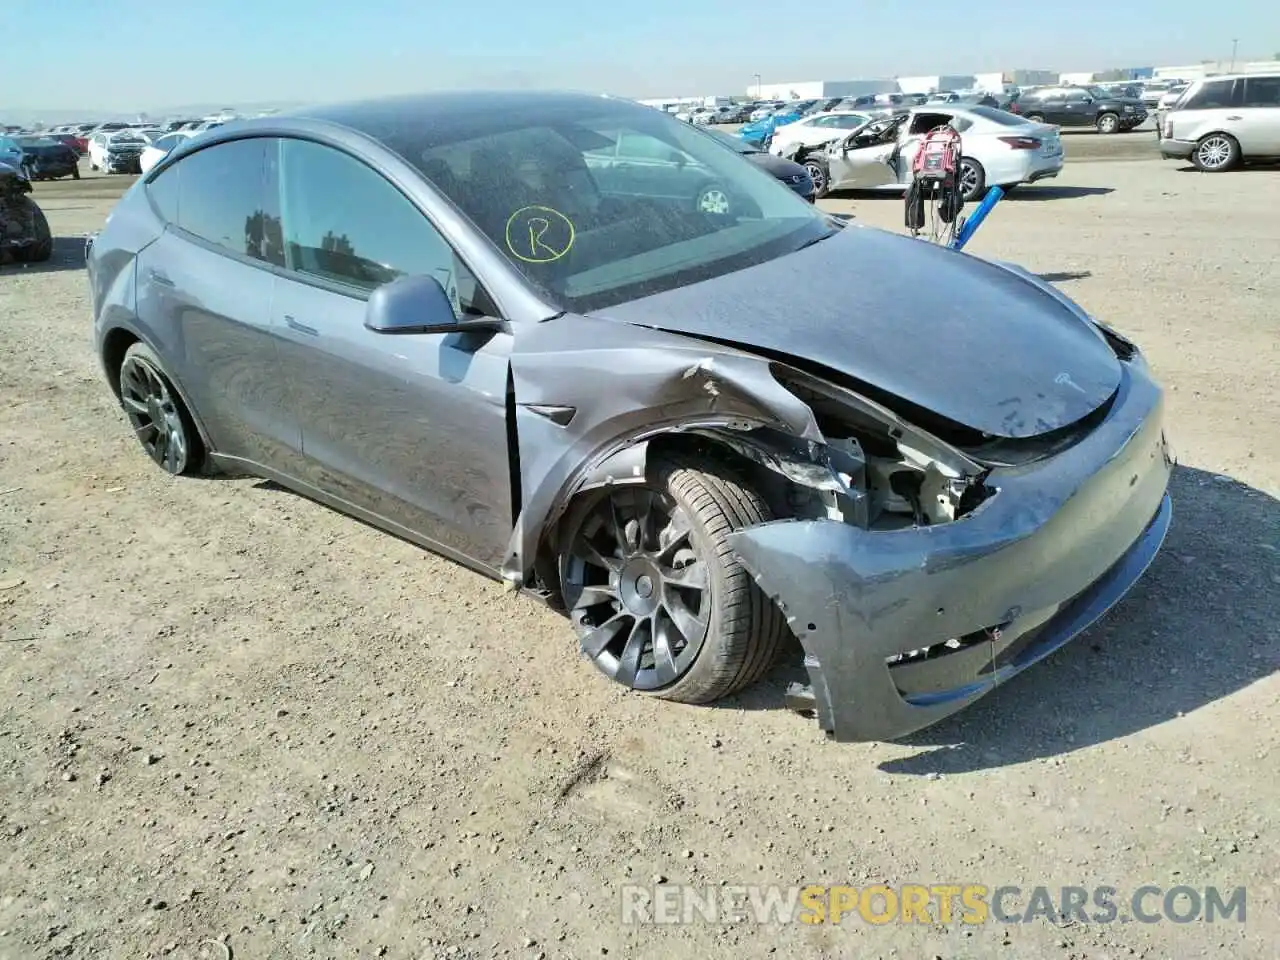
<point>1220,122</point>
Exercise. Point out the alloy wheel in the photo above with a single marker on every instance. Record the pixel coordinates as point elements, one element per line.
<point>817,175</point>
<point>638,593</point>
<point>1214,153</point>
<point>154,415</point>
<point>968,180</point>
<point>713,200</point>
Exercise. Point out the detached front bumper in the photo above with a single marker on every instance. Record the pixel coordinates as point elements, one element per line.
<point>1057,546</point>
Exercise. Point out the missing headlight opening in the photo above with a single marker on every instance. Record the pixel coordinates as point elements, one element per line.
<point>873,471</point>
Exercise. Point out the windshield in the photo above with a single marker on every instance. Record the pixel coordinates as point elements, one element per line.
<point>607,202</point>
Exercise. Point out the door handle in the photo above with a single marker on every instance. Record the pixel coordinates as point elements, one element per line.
<point>1235,118</point>
<point>293,324</point>
<point>159,278</point>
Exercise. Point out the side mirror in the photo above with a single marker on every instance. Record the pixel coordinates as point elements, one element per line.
<point>418,304</point>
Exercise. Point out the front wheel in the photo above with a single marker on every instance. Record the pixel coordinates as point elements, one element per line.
<point>658,599</point>
<point>75,173</point>
<point>820,176</point>
<point>1108,123</point>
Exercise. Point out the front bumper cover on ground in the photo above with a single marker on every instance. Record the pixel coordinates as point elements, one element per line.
<point>1058,545</point>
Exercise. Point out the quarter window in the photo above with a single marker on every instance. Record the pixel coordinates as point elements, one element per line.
<point>347,224</point>
<point>1262,92</point>
<point>220,195</point>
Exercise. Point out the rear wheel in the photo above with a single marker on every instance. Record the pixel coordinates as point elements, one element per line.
<point>973,179</point>
<point>659,601</point>
<point>712,199</point>
<point>75,172</point>
<point>159,419</point>
<point>1216,152</point>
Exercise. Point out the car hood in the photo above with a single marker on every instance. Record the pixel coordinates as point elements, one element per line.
<point>777,166</point>
<point>969,340</point>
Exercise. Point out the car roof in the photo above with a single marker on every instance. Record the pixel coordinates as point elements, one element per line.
<point>441,106</point>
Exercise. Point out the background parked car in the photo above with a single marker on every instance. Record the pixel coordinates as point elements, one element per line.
<point>788,172</point>
<point>1069,106</point>
<point>159,148</point>
<point>816,130</point>
<point>117,152</point>
<point>10,152</point>
<point>47,159</point>
<point>997,148</point>
<point>1221,122</point>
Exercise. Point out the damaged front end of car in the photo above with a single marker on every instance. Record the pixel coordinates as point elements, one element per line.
<point>916,572</point>
<point>24,232</point>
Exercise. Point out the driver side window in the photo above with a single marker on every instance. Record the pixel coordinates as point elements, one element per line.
<point>345,223</point>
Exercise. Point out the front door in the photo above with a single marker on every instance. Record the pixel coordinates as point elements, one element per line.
<point>867,159</point>
<point>411,429</point>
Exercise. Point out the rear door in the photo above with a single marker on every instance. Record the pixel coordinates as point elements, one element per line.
<point>1258,124</point>
<point>411,429</point>
<point>207,283</point>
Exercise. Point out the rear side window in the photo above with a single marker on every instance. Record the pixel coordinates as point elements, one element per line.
<point>1262,92</point>
<point>220,194</point>
<point>1212,94</point>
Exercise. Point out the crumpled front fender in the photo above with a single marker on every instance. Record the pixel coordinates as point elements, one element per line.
<point>578,410</point>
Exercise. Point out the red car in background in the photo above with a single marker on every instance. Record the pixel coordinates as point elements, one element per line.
<point>79,144</point>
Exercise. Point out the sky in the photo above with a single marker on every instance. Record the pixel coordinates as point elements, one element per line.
<point>116,56</point>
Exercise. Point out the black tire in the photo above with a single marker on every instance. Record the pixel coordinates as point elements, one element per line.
<point>820,174</point>
<point>160,420</point>
<point>42,249</point>
<point>740,628</point>
<point>1216,152</point>
<point>75,173</point>
<point>977,186</point>
<point>1108,123</point>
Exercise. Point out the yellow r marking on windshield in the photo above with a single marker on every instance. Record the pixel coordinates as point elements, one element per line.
<point>550,234</point>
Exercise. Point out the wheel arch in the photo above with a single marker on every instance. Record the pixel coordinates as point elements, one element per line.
<point>116,343</point>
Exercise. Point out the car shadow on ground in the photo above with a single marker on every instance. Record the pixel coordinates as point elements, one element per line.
<point>68,254</point>
<point>1043,191</point>
<point>1198,627</point>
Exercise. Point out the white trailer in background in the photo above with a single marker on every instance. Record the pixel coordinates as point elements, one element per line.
<point>932,84</point>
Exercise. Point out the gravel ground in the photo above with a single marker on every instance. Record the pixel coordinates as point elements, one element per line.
<point>233,721</point>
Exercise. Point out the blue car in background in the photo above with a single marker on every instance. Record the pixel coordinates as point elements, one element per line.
<point>760,132</point>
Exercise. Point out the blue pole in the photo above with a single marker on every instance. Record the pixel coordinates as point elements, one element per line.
<point>973,222</point>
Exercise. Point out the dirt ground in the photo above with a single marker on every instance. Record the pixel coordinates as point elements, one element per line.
<point>235,723</point>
